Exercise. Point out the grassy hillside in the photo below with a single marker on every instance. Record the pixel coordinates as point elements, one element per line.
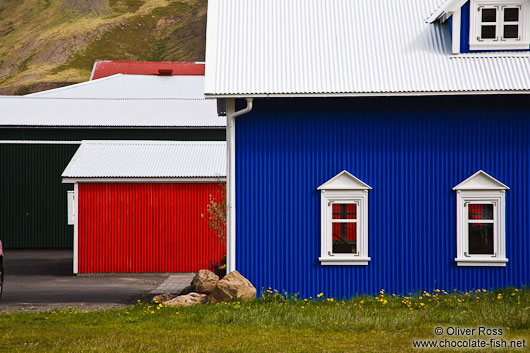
<point>51,43</point>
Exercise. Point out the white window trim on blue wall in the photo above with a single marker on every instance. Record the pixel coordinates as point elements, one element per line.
<point>498,44</point>
<point>343,188</point>
<point>484,189</point>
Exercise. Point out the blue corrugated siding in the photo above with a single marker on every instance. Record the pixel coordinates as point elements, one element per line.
<point>464,31</point>
<point>412,151</point>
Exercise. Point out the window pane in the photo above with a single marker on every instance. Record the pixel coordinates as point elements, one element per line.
<point>488,32</point>
<point>344,211</point>
<point>484,211</point>
<point>511,31</point>
<point>344,238</point>
<point>511,14</point>
<point>480,238</point>
<point>489,15</point>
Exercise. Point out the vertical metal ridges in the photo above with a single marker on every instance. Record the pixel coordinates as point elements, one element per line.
<point>412,152</point>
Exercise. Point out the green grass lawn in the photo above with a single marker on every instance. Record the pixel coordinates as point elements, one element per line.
<point>273,324</point>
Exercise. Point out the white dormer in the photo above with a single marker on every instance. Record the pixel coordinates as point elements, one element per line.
<point>344,221</point>
<point>481,234</point>
<point>498,25</point>
<point>493,25</point>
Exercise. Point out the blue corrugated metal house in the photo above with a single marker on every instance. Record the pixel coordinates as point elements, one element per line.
<point>367,151</point>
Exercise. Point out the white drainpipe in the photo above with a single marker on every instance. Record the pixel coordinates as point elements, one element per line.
<point>231,116</point>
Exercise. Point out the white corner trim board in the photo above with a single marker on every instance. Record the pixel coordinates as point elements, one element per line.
<point>457,23</point>
<point>76,228</point>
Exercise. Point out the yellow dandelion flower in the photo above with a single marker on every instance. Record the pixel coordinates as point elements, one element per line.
<point>319,295</point>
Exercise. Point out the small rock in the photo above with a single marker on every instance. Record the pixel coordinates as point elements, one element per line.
<point>163,297</point>
<point>186,290</point>
<point>233,285</point>
<point>188,300</point>
<point>204,281</point>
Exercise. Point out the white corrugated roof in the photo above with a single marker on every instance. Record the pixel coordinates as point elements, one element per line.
<point>445,9</point>
<point>148,159</point>
<point>345,47</point>
<point>132,86</point>
<point>85,112</point>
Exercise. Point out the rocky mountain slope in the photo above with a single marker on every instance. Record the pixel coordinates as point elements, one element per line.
<point>51,43</point>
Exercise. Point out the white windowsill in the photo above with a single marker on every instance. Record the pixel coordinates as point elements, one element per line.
<point>344,261</point>
<point>499,46</point>
<point>481,262</point>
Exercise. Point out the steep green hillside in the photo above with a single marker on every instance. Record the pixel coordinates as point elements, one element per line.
<point>51,43</point>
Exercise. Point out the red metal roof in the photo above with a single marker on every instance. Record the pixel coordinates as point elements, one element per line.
<point>104,68</point>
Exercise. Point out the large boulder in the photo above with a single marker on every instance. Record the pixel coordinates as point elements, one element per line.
<point>233,285</point>
<point>204,281</point>
<point>162,298</point>
<point>186,290</point>
<point>188,300</point>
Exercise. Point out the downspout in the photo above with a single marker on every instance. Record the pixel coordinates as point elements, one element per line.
<point>231,116</point>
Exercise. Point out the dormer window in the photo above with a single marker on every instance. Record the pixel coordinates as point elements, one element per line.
<point>499,25</point>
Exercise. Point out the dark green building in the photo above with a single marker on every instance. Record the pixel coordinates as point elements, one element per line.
<point>39,136</point>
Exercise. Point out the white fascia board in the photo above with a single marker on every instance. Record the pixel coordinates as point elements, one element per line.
<point>73,180</point>
<point>446,10</point>
<point>38,142</point>
<point>369,94</point>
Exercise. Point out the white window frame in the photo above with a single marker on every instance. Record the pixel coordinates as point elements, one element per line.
<point>481,188</point>
<point>499,43</point>
<point>344,188</point>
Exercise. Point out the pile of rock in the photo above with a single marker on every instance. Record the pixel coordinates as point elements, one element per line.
<point>206,288</point>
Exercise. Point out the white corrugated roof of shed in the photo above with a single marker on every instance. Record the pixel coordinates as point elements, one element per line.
<point>148,159</point>
<point>346,48</point>
<point>132,86</point>
<point>109,112</point>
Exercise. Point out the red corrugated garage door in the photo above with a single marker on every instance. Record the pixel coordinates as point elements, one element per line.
<point>146,228</point>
